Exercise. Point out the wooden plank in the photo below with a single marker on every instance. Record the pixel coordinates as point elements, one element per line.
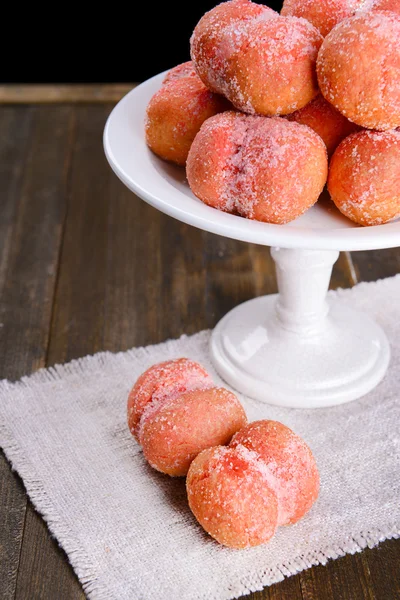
<point>342,273</point>
<point>44,571</point>
<point>32,213</point>
<point>30,273</point>
<point>16,130</point>
<point>372,575</point>
<point>235,272</point>
<point>156,274</point>
<point>12,518</point>
<point>133,290</point>
<point>376,264</point>
<point>77,327</point>
<point>264,275</point>
<point>59,93</point>
<point>15,144</point>
<point>288,589</point>
<point>345,578</point>
<point>383,566</point>
<point>78,321</point>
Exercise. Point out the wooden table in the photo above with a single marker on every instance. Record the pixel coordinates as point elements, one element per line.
<point>86,266</point>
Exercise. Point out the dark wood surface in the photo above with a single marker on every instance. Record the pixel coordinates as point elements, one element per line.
<point>19,93</point>
<point>86,266</point>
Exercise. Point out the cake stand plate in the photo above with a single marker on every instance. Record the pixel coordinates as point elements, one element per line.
<point>293,349</point>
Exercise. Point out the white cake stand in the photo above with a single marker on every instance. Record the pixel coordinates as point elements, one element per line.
<point>294,349</point>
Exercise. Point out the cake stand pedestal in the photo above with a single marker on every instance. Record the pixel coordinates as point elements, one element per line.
<point>298,348</point>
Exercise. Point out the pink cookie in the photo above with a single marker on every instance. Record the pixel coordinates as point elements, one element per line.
<point>270,170</point>
<point>162,380</point>
<point>364,177</point>
<point>173,432</point>
<point>358,69</point>
<point>325,120</point>
<point>323,14</point>
<point>230,496</point>
<point>175,412</point>
<point>212,34</point>
<point>176,112</point>
<point>264,64</point>
<point>294,474</point>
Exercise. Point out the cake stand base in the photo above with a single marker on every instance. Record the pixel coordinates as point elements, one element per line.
<point>296,349</point>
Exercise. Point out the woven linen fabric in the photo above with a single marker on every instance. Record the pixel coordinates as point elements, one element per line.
<point>127,529</point>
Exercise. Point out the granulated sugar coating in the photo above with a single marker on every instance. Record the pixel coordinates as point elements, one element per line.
<point>358,69</point>
<point>323,14</point>
<point>293,473</point>
<point>230,496</point>
<point>161,381</point>
<point>263,63</point>
<point>175,113</point>
<point>270,170</point>
<point>325,120</point>
<point>173,435</point>
<point>364,177</point>
<point>393,5</point>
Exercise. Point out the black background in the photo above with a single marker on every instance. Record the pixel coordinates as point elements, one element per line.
<point>109,42</point>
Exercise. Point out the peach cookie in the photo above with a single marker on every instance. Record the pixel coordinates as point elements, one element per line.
<point>270,170</point>
<point>266,477</point>
<point>326,14</point>
<point>358,69</point>
<point>263,63</point>
<point>325,120</point>
<point>364,177</point>
<point>230,496</point>
<point>175,412</point>
<point>209,35</point>
<point>323,14</point>
<point>161,380</point>
<point>175,113</point>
